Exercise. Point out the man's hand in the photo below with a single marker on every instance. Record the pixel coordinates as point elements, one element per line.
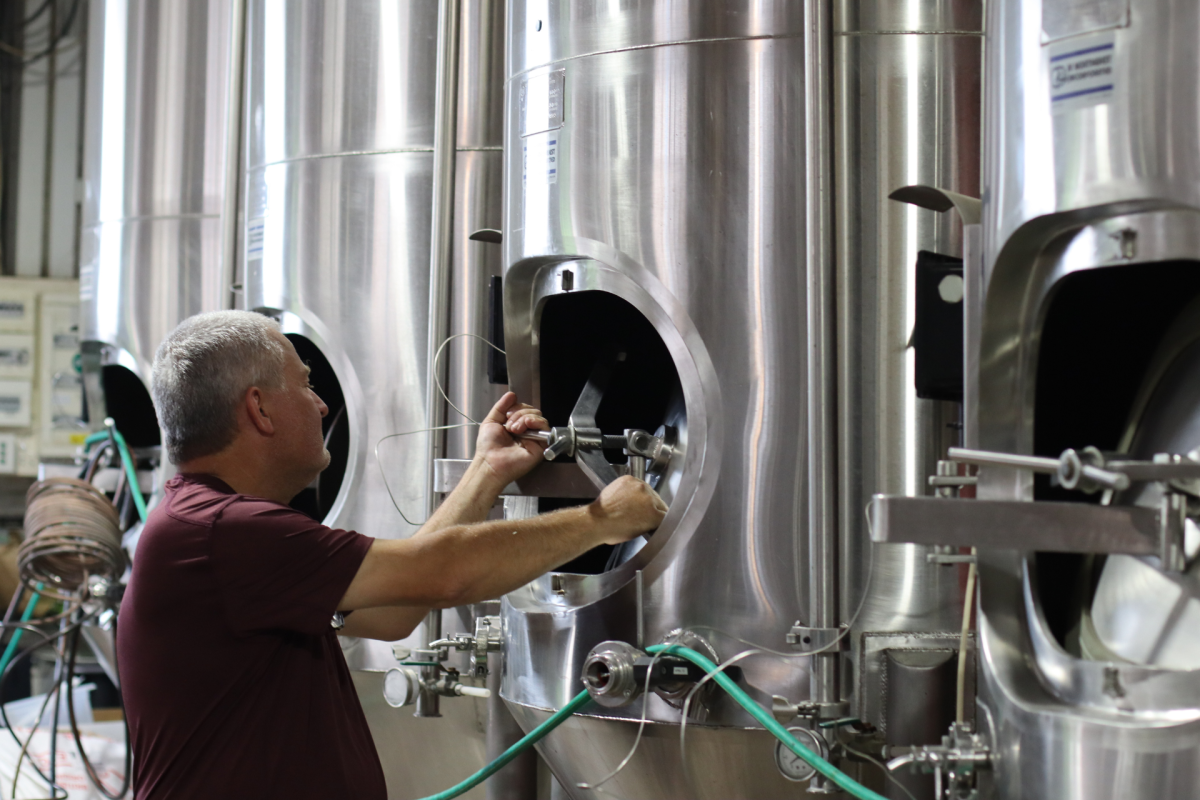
<point>627,508</point>
<point>499,446</point>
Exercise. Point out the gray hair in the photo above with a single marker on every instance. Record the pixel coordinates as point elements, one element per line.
<point>201,373</point>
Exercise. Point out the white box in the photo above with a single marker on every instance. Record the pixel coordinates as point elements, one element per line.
<point>17,355</point>
<point>8,453</point>
<point>15,404</point>
<point>60,382</point>
<point>18,309</point>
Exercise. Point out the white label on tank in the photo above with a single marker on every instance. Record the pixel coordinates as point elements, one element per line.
<point>255,229</point>
<point>1082,72</point>
<point>540,157</point>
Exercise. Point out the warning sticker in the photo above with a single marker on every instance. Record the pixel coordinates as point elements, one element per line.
<point>1082,72</point>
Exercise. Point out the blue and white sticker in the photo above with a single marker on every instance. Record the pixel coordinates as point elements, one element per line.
<point>1082,72</point>
<point>540,158</point>
<point>255,236</point>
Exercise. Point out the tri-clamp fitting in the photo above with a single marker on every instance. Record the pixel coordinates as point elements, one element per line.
<point>953,763</point>
<point>486,639</point>
<point>583,440</point>
<point>617,673</point>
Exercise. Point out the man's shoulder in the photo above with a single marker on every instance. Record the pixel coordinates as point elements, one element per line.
<point>195,500</point>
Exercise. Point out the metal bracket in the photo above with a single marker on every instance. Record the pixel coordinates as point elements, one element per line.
<point>1016,525</point>
<point>819,640</point>
<point>955,761</point>
<point>589,442</point>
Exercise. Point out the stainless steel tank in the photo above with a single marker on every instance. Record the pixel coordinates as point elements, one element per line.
<point>907,102</point>
<point>339,192</point>
<point>655,206</point>
<point>907,79</point>
<point>157,145</point>
<point>1090,215</point>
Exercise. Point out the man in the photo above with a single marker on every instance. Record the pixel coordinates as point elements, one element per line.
<point>233,680</point>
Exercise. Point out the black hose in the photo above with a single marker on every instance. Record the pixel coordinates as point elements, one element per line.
<point>41,10</point>
<point>87,765</point>
<point>58,676</point>
<point>89,467</point>
<point>46,639</point>
<point>56,41</point>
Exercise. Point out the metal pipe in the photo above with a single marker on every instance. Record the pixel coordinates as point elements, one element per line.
<point>441,251</point>
<point>822,384</point>
<point>233,149</point>
<point>48,166</point>
<point>993,459</point>
<point>518,780</point>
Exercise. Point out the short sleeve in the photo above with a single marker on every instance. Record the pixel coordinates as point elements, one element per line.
<point>277,569</point>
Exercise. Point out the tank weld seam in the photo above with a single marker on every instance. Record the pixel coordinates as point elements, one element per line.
<point>484,148</point>
<point>146,218</point>
<point>653,45</point>
<point>318,156</point>
<point>907,33</point>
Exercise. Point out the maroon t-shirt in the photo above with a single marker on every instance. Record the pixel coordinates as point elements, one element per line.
<point>234,682</point>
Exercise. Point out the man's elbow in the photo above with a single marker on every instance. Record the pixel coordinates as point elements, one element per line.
<point>451,591</point>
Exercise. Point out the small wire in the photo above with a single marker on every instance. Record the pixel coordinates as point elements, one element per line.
<point>53,46</point>
<point>46,639</point>
<point>25,748</point>
<point>886,772</point>
<point>383,475</point>
<point>687,701</point>
<point>436,374</point>
<point>641,724</point>
<point>441,390</point>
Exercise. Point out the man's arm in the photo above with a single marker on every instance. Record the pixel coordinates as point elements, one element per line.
<point>500,458</point>
<point>464,564</point>
<point>469,502</point>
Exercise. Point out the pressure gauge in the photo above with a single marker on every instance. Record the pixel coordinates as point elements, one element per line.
<point>401,687</point>
<point>792,766</point>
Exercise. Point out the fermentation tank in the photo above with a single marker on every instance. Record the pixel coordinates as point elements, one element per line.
<point>654,247</point>
<point>157,146</point>
<point>1084,522</point>
<point>339,204</point>
<point>907,107</point>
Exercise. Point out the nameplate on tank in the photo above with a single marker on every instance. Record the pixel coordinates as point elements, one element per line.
<point>542,102</point>
<point>1082,72</point>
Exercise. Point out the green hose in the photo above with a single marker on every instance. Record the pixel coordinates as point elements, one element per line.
<point>126,461</point>
<point>841,779</point>
<point>12,643</point>
<point>508,755</point>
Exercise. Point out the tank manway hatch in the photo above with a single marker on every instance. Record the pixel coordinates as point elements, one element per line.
<point>612,393</point>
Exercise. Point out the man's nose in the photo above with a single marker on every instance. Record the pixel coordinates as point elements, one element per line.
<point>321,404</point>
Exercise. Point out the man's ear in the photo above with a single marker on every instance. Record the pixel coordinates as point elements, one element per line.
<point>256,411</point>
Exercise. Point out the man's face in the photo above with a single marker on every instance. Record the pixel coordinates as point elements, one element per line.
<point>298,412</point>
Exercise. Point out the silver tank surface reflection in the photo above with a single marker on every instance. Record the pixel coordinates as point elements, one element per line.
<point>157,143</point>
<point>1090,213</point>
<point>655,196</point>
<point>339,185</point>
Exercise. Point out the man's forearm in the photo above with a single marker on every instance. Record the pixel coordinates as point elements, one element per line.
<point>469,563</point>
<point>489,559</point>
<point>469,502</point>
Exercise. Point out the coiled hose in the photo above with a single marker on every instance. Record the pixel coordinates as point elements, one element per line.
<point>72,532</point>
<point>841,779</point>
